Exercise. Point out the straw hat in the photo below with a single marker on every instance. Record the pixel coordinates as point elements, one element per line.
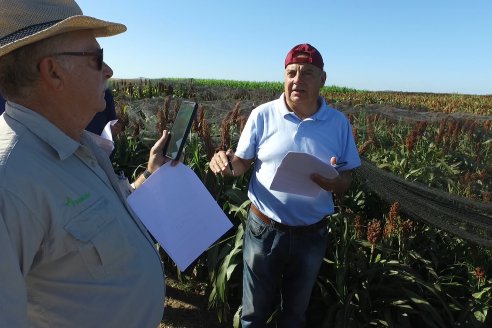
<point>23,22</point>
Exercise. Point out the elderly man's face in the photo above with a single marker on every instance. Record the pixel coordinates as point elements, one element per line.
<point>303,83</point>
<point>86,80</point>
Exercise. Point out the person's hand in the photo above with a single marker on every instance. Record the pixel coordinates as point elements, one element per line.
<point>221,163</point>
<point>337,185</point>
<point>156,156</point>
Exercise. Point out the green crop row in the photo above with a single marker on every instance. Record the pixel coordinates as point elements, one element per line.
<point>209,89</point>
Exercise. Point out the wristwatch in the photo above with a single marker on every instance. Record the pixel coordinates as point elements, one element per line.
<point>147,174</point>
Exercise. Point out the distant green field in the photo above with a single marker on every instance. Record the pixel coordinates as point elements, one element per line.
<point>207,88</point>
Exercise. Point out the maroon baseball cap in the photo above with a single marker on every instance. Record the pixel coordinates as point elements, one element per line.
<point>304,54</point>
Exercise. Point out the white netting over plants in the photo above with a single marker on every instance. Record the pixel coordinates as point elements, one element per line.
<point>468,219</point>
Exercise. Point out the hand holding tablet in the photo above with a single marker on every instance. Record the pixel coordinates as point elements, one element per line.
<point>180,130</point>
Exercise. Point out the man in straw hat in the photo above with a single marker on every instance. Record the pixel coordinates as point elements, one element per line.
<point>73,252</point>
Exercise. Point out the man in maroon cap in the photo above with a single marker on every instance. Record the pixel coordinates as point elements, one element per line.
<point>286,233</point>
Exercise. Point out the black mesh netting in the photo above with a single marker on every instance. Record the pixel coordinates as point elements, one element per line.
<point>468,219</point>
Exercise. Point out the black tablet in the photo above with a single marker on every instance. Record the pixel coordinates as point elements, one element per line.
<point>180,129</point>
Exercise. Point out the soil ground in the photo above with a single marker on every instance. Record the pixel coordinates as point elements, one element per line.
<point>186,307</point>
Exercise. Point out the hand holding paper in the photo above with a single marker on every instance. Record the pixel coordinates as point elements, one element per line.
<point>294,174</point>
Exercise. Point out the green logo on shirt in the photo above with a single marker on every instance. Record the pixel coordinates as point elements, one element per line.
<point>72,202</point>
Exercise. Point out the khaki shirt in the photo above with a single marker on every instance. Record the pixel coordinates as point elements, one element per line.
<point>73,254</point>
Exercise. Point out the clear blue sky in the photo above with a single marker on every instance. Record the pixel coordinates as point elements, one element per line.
<point>400,45</point>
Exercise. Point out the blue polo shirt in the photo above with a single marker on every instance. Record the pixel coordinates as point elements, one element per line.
<point>270,133</point>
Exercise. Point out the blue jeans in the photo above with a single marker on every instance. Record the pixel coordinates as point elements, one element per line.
<point>277,261</point>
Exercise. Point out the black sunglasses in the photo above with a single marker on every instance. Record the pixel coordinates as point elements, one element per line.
<point>98,54</point>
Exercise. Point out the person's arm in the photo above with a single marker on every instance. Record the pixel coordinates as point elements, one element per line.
<point>156,158</point>
<point>338,185</point>
<point>21,235</point>
<point>229,164</point>
<point>13,291</point>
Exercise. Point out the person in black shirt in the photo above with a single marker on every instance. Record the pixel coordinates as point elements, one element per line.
<point>2,104</point>
<point>102,118</point>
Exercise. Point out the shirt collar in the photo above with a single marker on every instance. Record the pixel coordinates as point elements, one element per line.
<point>43,129</point>
<point>322,114</point>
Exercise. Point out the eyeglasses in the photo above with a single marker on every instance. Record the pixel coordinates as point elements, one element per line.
<point>98,54</point>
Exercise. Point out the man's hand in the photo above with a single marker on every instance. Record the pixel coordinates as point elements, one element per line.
<point>340,184</point>
<point>156,156</point>
<point>226,162</point>
<point>221,162</point>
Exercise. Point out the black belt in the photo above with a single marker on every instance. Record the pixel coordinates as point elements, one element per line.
<point>286,228</point>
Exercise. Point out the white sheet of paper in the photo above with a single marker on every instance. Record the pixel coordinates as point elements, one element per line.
<point>293,174</point>
<point>179,211</point>
<point>106,133</point>
<point>105,140</point>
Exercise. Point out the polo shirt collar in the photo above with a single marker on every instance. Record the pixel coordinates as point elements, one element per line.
<point>43,129</point>
<point>322,114</point>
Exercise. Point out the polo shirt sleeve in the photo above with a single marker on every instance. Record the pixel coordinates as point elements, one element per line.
<point>248,141</point>
<point>350,152</point>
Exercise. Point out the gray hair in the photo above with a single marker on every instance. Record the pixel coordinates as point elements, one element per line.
<point>19,70</point>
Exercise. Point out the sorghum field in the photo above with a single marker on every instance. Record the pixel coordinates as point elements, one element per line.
<point>383,267</point>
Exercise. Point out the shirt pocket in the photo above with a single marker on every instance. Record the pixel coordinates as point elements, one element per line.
<point>98,237</point>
